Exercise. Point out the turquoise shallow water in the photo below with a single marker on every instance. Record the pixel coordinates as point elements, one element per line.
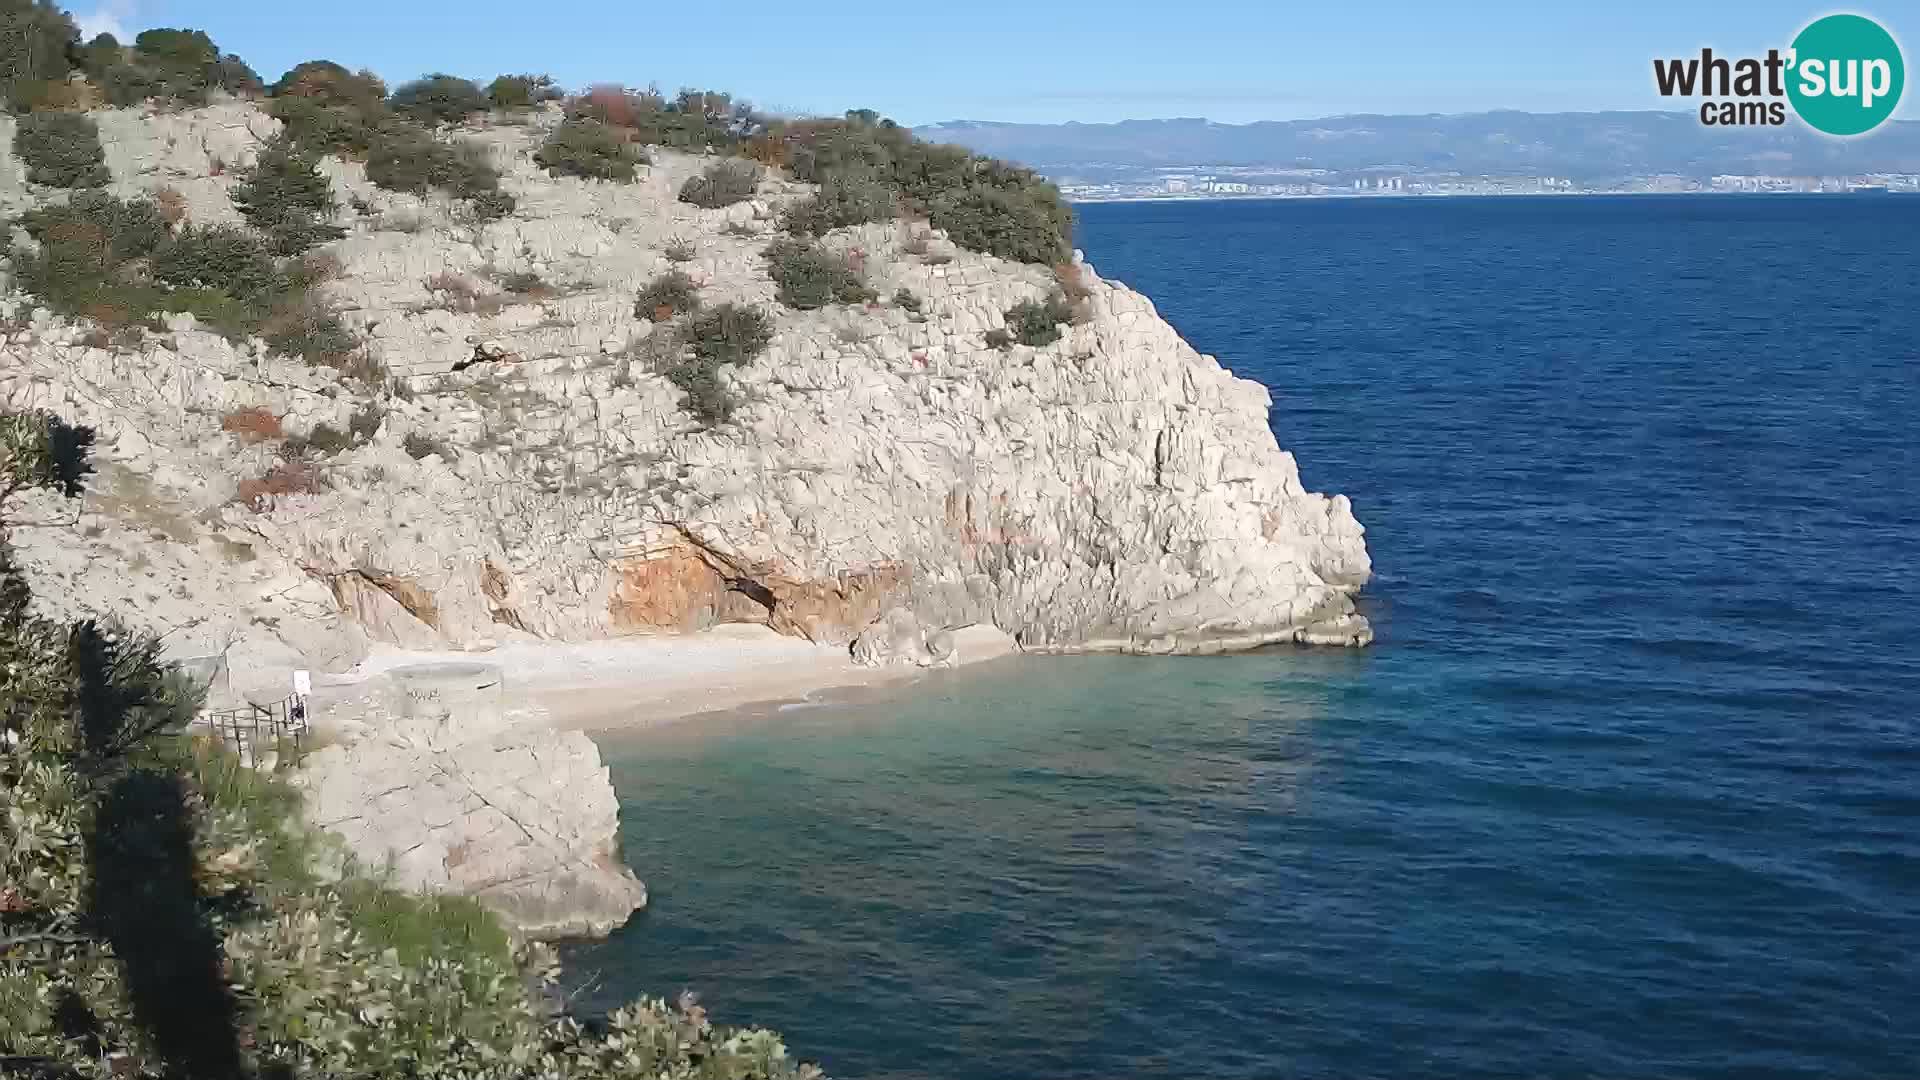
<point>1627,788</point>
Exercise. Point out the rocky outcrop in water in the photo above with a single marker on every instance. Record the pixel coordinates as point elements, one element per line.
<point>454,793</point>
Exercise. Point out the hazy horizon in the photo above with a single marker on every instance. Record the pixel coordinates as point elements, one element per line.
<point>1007,62</point>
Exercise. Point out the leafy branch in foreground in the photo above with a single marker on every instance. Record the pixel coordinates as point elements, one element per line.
<point>164,911</point>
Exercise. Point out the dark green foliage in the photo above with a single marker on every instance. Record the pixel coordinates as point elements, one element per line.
<point>710,340</point>
<point>405,157</point>
<point>984,204</point>
<point>327,440</point>
<point>308,330</point>
<point>61,149</point>
<point>85,246</point>
<point>419,445</point>
<point>905,299</point>
<point>332,84</point>
<point>330,110</point>
<point>1034,323</point>
<point>439,99</point>
<point>728,333</point>
<point>285,196</point>
<point>1026,224</point>
<point>721,184</point>
<point>522,91</point>
<point>843,200</point>
<point>36,38</point>
<point>590,149</point>
<point>223,257</point>
<point>672,293</point>
<point>179,66</point>
<point>116,262</point>
<point>694,120</point>
<point>164,912</point>
<point>679,251</point>
<point>810,277</point>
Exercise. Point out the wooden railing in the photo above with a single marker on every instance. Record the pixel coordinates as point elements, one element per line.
<point>254,731</point>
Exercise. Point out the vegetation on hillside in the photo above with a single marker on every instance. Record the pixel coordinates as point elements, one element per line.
<point>122,263</point>
<point>61,149</point>
<point>165,913</point>
<point>811,277</point>
<point>1034,323</point>
<point>285,196</point>
<point>589,149</point>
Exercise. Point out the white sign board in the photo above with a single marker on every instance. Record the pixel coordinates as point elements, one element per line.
<point>302,683</point>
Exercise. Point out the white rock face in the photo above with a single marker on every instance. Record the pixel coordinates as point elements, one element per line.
<point>455,794</point>
<point>1114,490</point>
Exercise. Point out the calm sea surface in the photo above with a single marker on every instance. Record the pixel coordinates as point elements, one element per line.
<point>1630,786</point>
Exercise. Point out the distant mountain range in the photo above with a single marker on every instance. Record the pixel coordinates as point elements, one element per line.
<point>1595,146</point>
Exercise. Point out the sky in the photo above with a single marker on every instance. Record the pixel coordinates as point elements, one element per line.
<point>1024,61</point>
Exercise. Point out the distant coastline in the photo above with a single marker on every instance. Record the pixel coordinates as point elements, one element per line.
<point>1357,195</point>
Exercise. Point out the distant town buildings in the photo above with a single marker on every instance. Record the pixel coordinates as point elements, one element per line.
<point>1190,182</point>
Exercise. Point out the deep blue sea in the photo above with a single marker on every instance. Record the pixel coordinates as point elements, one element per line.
<point>1630,786</point>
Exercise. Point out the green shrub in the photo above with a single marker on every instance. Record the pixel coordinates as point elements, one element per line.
<point>728,333</point>
<point>587,148</point>
<point>420,445</point>
<point>721,184</point>
<point>405,157</point>
<point>810,277</point>
<point>439,99</point>
<point>679,251</point>
<point>709,341</point>
<point>984,204</point>
<point>851,200</point>
<point>330,110</point>
<point>328,440</point>
<point>81,267</point>
<point>306,329</point>
<point>521,91</point>
<point>695,120</point>
<point>222,257</point>
<point>285,196</point>
<point>905,299</point>
<point>61,149</point>
<point>178,66</point>
<point>672,293</point>
<point>174,903</point>
<point>35,39</point>
<point>1025,224</point>
<point>1034,323</point>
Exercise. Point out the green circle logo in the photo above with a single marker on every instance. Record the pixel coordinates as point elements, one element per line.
<point>1846,76</point>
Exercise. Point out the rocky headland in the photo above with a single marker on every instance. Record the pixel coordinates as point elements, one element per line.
<point>895,480</point>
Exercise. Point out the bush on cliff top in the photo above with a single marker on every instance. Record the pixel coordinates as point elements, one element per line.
<point>672,293</point>
<point>984,204</point>
<point>285,196</point>
<point>842,201</point>
<point>166,912</point>
<point>1035,323</point>
<point>721,184</point>
<point>522,91</point>
<point>61,149</point>
<point>692,355</point>
<point>35,40</point>
<point>697,120</point>
<point>810,277</point>
<point>181,67</point>
<point>588,149</point>
<point>439,99</point>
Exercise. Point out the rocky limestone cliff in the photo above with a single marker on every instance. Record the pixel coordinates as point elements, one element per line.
<point>1114,490</point>
<point>890,481</point>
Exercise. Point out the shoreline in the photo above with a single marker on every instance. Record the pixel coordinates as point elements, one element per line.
<point>636,683</point>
